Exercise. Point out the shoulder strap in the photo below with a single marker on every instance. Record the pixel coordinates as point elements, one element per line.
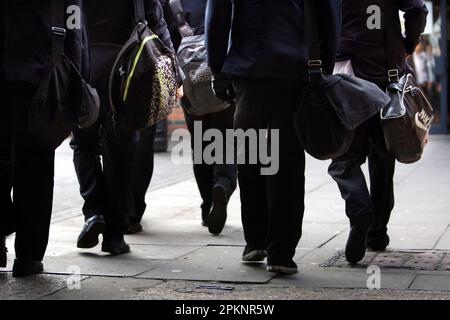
<point>312,34</point>
<point>139,11</point>
<point>183,26</point>
<point>391,41</point>
<point>58,28</point>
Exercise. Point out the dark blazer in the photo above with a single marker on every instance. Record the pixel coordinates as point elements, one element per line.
<point>267,37</point>
<point>110,23</point>
<point>366,48</point>
<point>194,13</point>
<point>26,49</point>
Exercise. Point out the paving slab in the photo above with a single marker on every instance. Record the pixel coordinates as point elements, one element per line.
<point>444,242</point>
<point>94,288</point>
<point>415,236</point>
<point>159,252</point>
<point>98,264</point>
<point>431,283</point>
<point>211,264</point>
<point>32,287</point>
<point>336,279</point>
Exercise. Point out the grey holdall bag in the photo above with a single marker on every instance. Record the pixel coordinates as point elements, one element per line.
<point>193,61</point>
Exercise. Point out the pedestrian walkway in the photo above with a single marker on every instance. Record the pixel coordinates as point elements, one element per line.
<point>175,257</point>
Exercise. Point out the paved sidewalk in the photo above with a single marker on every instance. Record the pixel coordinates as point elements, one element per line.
<point>175,256</point>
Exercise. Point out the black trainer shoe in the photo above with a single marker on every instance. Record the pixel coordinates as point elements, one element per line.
<point>251,255</point>
<point>26,268</point>
<point>218,215</point>
<point>286,268</point>
<point>379,244</point>
<point>92,228</point>
<point>3,252</point>
<point>115,247</point>
<point>355,249</point>
<point>134,228</point>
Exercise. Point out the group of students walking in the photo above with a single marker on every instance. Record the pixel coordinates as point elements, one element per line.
<point>257,53</point>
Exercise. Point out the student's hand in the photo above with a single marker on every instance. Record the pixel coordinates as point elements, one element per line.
<point>180,93</point>
<point>223,87</point>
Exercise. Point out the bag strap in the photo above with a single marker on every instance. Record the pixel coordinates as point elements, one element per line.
<point>183,26</point>
<point>391,42</point>
<point>58,29</point>
<point>139,11</point>
<point>314,61</point>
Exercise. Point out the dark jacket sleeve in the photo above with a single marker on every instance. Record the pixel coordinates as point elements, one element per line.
<point>76,43</point>
<point>330,21</point>
<point>156,22</point>
<point>415,21</point>
<point>217,32</point>
<point>172,24</point>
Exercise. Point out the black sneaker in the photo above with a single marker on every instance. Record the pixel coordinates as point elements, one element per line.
<point>92,228</point>
<point>26,268</point>
<point>251,255</point>
<point>218,215</point>
<point>115,247</point>
<point>379,244</point>
<point>3,252</point>
<point>286,268</point>
<point>355,249</point>
<point>134,228</point>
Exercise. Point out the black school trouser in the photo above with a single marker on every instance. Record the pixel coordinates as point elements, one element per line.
<point>346,171</point>
<point>106,186</point>
<point>272,206</point>
<point>28,169</point>
<point>143,173</point>
<point>209,175</point>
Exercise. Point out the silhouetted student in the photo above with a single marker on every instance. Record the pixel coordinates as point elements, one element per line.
<point>107,186</point>
<point>265,61</point>
<point>362,51</point>
<point>26,166</point>
<point>216,182</point>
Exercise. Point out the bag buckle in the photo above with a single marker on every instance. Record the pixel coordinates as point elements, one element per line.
<point>59,32</point>
<point>393,75</point>
<point>315,64</point>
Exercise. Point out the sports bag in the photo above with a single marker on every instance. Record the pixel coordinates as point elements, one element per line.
<point>144,78</point>
<point>407,120</point>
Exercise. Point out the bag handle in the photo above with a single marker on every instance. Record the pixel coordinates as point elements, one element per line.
<point>183,26</point>
<point>139,11</point>
<point>391,42</point>
<point>315,63</point>
<point>58,29</point>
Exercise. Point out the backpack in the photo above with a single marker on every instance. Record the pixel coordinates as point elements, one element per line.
<point>144,78</point>
<point>192,59</point>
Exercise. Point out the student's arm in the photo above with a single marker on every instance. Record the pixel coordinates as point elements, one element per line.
<point>330,13</point>
<point>155,18</point>
<point>76,42</point>
<point>415,21</point>
<point>217,31</point>
<point>172,24</point>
